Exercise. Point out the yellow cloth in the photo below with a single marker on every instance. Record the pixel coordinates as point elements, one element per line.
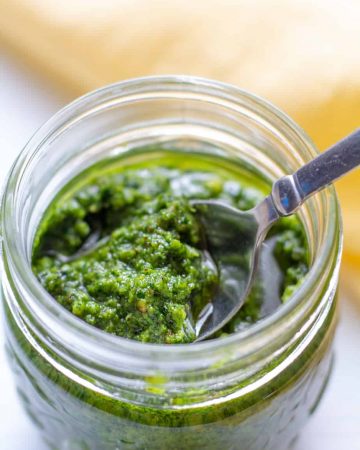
<point>303,55</point>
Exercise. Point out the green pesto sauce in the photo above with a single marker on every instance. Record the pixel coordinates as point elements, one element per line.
<point>123,250</point>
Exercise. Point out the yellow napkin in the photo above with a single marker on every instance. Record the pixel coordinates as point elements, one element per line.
<point>303,55</point>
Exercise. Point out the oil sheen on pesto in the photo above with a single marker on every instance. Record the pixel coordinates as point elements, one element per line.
<point>124,250</point>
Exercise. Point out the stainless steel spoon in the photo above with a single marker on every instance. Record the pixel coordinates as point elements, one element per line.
<point>234,238</point>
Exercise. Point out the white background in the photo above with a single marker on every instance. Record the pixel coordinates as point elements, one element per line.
<point>25,103</point>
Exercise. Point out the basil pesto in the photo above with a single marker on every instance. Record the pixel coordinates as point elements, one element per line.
<point>124,251</point>
<point>120,247</point>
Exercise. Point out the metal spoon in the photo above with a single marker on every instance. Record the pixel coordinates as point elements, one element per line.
<point>234,238</point>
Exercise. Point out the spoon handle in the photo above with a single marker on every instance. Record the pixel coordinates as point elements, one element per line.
<point>291,191</point>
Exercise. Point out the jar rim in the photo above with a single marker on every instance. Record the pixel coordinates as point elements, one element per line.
<point>45,305</point>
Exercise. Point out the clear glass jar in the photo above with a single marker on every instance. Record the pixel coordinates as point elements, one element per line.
<point>86,389</point>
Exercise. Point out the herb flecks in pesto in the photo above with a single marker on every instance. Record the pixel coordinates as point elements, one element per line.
<point>124,253</point>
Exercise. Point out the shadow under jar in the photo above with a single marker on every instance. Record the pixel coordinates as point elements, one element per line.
<point>86,389</point>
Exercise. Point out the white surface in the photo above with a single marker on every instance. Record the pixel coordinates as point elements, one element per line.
<point>25,102</point>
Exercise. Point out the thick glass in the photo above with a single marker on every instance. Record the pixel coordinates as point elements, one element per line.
<point>86,389</point>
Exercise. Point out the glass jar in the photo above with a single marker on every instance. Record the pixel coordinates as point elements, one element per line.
<point>86,389</point>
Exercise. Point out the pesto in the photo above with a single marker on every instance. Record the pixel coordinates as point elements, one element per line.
<point>124,252</point>
<point>104,242</point>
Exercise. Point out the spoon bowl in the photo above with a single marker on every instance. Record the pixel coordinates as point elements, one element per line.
<point>233,239</point>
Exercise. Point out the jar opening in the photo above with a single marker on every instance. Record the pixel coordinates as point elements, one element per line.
<point>113,120</point>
